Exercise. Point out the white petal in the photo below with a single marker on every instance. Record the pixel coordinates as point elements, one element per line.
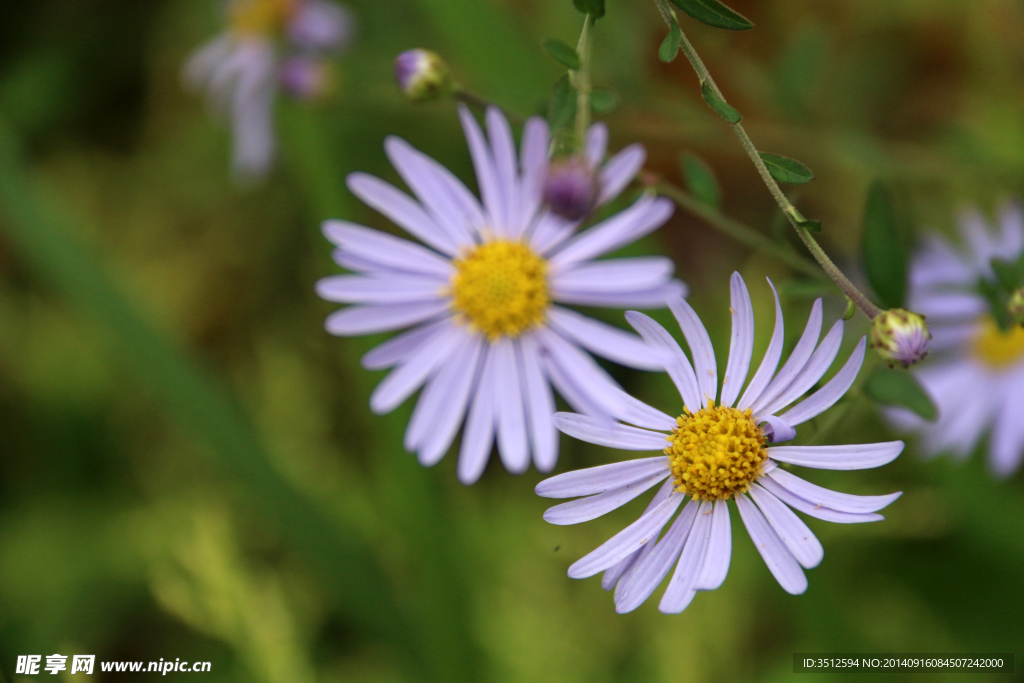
<point>513,444</point>
<point>603,433</point>
<point>808,508</point>
<point>825,398</point>
<point>357,320</point>
<point>601,478</point>
<point>769,362</point>
<point>677,365</point>
<point>410,375</point>
<point>800,540</point>
<point>619,171</point>
<point>697,338</point>
<point>850,457</point>
<point>741,343</point>
<point>486,173</point>
<point>604,340</point>
<point>356,289</point>
<point>597,143</point>
<point>645,575</point>
<point>648,298</point>
<point>614,275</point>
<point>719,554</point>
<point>780,561</point>
<point>592,507</point>
<point>625,227</point>
<point>401,210</point>
<point>820,361</point>
<point>479,433</point>
<point>843,502</point>
<point>797,360</point>
<point>540,406</point>
<point>681,588</point>
<point>398,348</point>
<point>626,541</point>
<point>387,250</point>
<point>448,393</point>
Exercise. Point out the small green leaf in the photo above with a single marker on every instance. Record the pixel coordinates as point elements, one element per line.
<point>595,7</point>
<point>901,389</point>
<point>885,254</point>
<point>670,46</point>
<point>701,181</point>
<point>562,105</point>
<point>811,225</point>
<point>786,170</point>
<point>851,309</point>
<point>604,101</point>
<point>562,52</point>
<point>721,107</point>
<point>714,13</point>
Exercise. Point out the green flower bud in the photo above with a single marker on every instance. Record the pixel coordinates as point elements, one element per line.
<point>423,75</point>
<point>900,336</point>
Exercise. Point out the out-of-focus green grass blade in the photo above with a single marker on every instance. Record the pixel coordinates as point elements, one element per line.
<point>39,235</point>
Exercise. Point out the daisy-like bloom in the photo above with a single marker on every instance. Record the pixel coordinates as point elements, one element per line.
<point>717,451</point>
<point>267,43</point>
<point>483,292</point>
<point>976,372</point>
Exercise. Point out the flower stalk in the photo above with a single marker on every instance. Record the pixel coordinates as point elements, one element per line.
<point>581,80</point>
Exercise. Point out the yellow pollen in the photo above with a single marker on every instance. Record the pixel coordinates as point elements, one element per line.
<point>996,348</point>
<point>501,288</point>
<point>261,17</point>
<point>716,453</point>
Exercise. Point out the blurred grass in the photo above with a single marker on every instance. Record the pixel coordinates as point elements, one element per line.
<point>188,466</point>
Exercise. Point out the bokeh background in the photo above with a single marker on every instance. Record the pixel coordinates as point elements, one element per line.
<point>189,466</point>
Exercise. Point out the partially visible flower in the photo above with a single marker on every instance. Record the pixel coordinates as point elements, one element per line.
<point>900,336</point>
<point>1015,307</point>
<point>717,451</point>
<point>267,43</point>
<point>976,374</point>
<point>571,187</point>
<point>485,292</point>
<point>423,75</point>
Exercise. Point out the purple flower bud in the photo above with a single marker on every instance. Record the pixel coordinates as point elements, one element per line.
<point>900,336</point>
<point>422,75</point>
<point>571,188</point>
<point>320,25</point>
<point>306,78</point>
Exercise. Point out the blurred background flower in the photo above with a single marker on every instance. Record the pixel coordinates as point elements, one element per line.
<point>188,463</point>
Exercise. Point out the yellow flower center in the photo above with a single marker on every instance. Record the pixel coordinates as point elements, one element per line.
<point>996,348</point>
<point>716,453</point>
<point>262,17</point>
<point>501,288</point>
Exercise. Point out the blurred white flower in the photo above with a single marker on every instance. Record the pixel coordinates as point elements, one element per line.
<point>716,452</point>
<point>976,373</point>
<point>488,338</point>
<point>267,43</point>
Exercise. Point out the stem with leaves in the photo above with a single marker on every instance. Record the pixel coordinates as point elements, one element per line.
<point>581,79</point>
<point>791,213</point>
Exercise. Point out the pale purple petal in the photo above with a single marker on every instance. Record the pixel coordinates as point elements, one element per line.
<point>505,163</point>
<point>780,561</point>
<point>387,250</point>
<point>592,507</point>
<point>704,366</point>
<point>486,173</point>
<point>550,231</point>
<point>638,413</point>
<point>625,227</point>
<point>540,406</point>
<point>626,541</point>
<point>619,171</point>
<point>797,360</point>
<point>1006,450</point>
<point>769,362</point>
<point>614,573</point>
<point>681,588</point>
<point>534,162</point>
<point>602,433</point>
<point>646,574</point>
<point>778,430</point>
<point>604,340</point>
<point>814,510</point>
<point>719,553</point>
<point>800,540</point>
<point>825,398</point>
<point>676,363</point>
<point>580,369</point>
<point>401,210</point>
<point>741,343</point>
<point>359,320</point>
<point>398,348</point>
<point>843,502</point>
<point>478,436</point>
<point>411,374</point>
<point>448,393</point>
<point>614,275</point>
<point>397,289</point>
<point>820,362</point>
<point>601,478</point>
<point>513,442</point>
<point>597,143</point>
<point>847,457</point>
<point>648,298</point>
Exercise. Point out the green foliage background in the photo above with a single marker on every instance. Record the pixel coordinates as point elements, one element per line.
<point>189,467</point>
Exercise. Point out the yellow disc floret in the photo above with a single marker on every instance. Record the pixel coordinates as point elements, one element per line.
<point>501,288</point>
<point>716,453</point>
<point>262,17</point>
<point>997,348</point>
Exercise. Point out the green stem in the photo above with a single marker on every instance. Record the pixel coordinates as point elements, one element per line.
<point>791,213</point>
<point>581,80</point>
<point>736,230</point>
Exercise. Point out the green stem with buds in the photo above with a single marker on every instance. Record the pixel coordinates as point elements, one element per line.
<point>581,80</point>
<point>791,213</point>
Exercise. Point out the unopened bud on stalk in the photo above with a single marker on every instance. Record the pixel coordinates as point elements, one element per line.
<point>571,188</point>
<point>1016,306</point>
<point>423,75</point>
<point>900,336</point>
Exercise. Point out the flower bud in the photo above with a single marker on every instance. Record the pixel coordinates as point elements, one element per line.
<point>571,188</point>
<point>900,336</point>
<point>1016,306</point>
<point>306,78</point>
<point>423,75</point>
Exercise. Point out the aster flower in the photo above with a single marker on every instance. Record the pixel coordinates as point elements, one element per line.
<point>483,295</point>
<point>976,372</point>
<point>267,43</point>
<point>717,451</point>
